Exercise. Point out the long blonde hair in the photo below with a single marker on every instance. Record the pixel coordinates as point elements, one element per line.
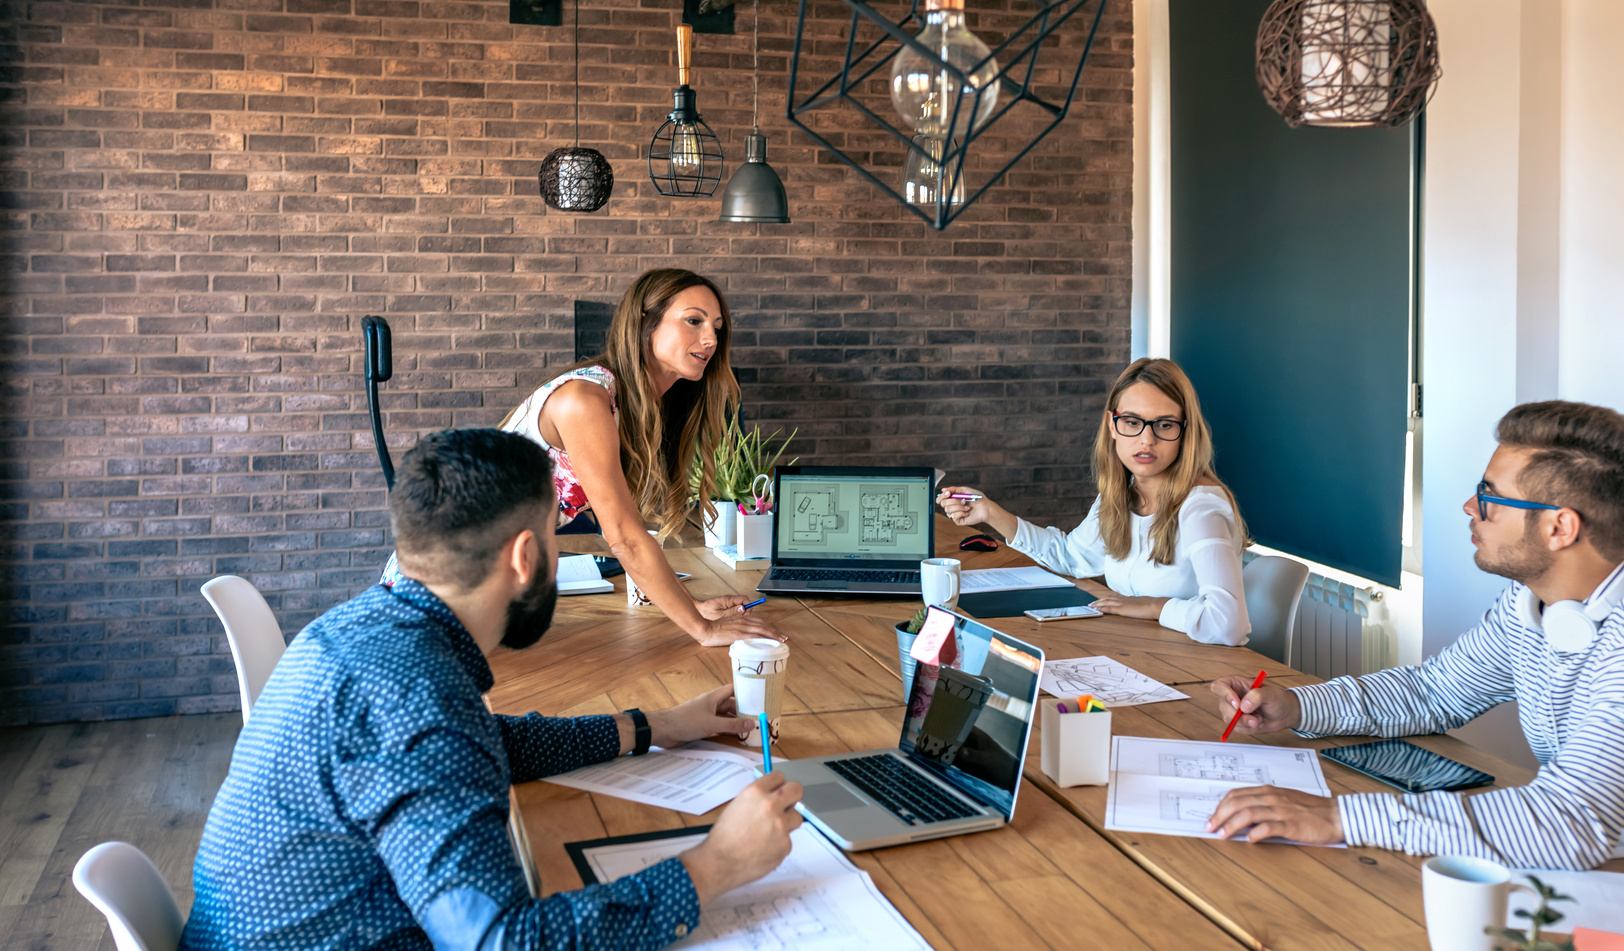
<point>661,436</point>
<point>1192,467</point>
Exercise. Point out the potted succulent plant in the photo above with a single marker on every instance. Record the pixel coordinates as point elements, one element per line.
<point>907,633</point>
<point>740,457</point>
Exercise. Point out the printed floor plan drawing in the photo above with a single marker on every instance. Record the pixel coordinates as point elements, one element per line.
<point>1229,767</point>
<point>1115,684</point>
<point>884,515</point>
<point>814,514</point>
<point>1187,806</point>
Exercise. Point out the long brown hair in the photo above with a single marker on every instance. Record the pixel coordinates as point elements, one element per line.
<point>661,436</point>
<point>1192,467</point>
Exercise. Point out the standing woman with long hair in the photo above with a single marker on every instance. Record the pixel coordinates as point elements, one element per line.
<point>1165,531</point>
<point>623,427</point>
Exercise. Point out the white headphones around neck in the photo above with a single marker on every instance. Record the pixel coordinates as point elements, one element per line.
<point>1571,626</point>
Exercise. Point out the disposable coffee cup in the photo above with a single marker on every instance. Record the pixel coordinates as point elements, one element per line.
<point>759,665</point>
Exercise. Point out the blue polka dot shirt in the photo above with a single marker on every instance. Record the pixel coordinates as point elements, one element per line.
<point>367,804</point>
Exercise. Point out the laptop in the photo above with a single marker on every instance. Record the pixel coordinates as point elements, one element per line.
<point>958,764</point>
<point>854,529</point>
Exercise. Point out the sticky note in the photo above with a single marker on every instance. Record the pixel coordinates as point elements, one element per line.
<point>935,644</point>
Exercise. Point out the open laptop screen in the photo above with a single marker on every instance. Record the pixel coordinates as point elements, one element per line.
<point>968,722</point>
<point>855,518</point>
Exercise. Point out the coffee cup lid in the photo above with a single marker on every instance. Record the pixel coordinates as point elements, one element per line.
<point>758,648</point>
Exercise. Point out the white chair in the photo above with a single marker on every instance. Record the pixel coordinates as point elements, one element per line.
<point>255,636</point>
<point>1273,585</point>
<point>124,885</point>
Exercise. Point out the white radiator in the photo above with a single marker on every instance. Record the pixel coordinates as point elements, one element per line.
<point>1341,629</point>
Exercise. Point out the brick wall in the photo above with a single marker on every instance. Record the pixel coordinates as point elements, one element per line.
<point>204,198</point>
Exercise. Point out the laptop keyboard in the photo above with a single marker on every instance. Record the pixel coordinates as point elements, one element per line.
<point>906,794</point>
<point>870,576</point>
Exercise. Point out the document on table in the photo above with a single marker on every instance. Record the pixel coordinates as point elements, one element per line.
<point>817,900</point>
<point>695,778</point>
<point>1113,683</point>
<point>1171,787</point>
<point>578,574</point>
<point>1598,899</point>
<point>1009,579</point>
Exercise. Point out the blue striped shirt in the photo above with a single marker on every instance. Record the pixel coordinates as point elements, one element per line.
<point>1571,705</point>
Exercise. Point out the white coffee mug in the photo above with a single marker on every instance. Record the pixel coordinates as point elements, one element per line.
<point>939,581</point>
<point>1462,896</point>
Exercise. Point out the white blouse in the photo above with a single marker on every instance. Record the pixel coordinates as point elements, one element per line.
<point>1203,584</point>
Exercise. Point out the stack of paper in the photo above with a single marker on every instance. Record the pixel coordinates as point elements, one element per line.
<point>695,778</point>
<point>817,900</point>
<point>976,580</point>
<point>578,574</point>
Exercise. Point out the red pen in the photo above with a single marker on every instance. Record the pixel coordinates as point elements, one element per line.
<point>1237,717</point>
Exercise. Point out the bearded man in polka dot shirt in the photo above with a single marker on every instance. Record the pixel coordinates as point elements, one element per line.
<point>367,801</point>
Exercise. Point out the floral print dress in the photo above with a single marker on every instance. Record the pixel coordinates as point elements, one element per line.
<point>572,499</point>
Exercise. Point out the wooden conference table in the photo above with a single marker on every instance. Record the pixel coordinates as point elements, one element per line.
<point>1053,878</point>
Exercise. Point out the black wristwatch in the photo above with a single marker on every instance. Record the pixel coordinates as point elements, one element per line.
<point>641,734</point>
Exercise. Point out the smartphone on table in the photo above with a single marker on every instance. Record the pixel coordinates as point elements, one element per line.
<point>1405,766</point>
<point>1061,614</point>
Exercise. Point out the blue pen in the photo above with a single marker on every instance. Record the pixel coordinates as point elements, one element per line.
<point>766,744</point>
<point>756,602</point>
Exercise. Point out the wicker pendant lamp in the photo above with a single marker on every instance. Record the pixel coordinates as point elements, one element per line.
<point>576,179</point>
<point>755,193</point>
<point>1347,63</point>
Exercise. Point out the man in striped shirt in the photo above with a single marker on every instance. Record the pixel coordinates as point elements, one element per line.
<point>1549,515</point>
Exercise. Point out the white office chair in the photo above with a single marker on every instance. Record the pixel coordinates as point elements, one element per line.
<point>255,636</point>
<point>1273,585</point>
<point>125,886</point>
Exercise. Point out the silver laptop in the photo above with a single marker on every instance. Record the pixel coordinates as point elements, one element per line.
<point>958,764</point>
<point>855,529</point>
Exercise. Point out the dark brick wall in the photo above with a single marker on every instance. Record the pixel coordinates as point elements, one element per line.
<point>204,198</point>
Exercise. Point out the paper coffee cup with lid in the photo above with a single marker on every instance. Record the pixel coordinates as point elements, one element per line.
<point>759,669</point>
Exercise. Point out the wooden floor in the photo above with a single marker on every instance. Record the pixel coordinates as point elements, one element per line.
<point>66,788</point>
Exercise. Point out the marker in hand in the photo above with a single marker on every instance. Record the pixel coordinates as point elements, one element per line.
<point>766,746</point>
<point>745,607</point>
<point>1237,717</point>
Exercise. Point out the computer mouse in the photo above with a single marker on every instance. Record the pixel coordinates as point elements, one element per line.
<point>979,543</point>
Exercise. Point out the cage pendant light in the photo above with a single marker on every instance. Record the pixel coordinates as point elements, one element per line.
<point>573,178</point>
<point>1347,63</point>
<point>685,157</point>
<point>755,193</point>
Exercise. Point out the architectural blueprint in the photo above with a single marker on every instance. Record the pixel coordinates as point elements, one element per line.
<point>885,517</point>
<point>814,514</point>
<point>1172,786</point>
<point>1114,684</point>
<point>815,901</point>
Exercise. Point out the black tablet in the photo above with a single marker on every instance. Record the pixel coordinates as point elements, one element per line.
<point>1402,764</point>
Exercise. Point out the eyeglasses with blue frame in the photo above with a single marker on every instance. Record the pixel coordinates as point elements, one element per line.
<point>1483,500</point>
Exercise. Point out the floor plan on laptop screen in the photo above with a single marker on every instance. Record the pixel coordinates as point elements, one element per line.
<point>845,517</point>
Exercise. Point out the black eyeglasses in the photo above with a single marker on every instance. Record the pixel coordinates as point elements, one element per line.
<point>1483,500</point>
<point>1167,430</point>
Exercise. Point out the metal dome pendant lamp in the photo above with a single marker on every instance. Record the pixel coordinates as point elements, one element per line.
<point>1347,63</point>
<point>576,179</point>
<point>755,193</point>
<point>685,158</point>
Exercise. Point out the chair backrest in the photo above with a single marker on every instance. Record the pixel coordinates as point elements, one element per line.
<point>1274,585</point>
<point>255,635</point>
<point>124,885</point>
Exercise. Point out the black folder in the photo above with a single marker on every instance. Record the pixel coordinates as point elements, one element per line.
<point>988,604</point>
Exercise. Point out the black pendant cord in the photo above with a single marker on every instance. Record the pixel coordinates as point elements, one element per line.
<point>578,73</point>
<point>755,67</point>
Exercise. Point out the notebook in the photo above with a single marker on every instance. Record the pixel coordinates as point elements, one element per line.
<point>578,574</point>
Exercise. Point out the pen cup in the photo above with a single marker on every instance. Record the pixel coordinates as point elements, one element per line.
<point>1076,747</point>
<point>756,535</point>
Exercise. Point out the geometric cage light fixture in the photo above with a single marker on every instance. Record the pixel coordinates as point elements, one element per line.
<point>1347,63</point>
<point>947,98</point>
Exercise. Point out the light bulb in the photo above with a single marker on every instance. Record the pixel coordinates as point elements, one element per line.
<point>926,95</point>
<point>923,173</point>
<point>686,156</point>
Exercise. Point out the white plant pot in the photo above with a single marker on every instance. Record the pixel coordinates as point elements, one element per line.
<point>724,528</point>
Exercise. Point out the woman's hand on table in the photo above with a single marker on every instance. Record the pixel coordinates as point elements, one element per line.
<point>1264,812</point>
<point>1122,605</point>
<point>735,626</point>
<point>714,609</point>
<point>709,714</point>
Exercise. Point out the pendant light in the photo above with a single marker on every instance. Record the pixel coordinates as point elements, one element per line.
<point>685,158</point>
<point>1347,63</point>
<point>576,179</point>
<point>948,88</point>
<point>755,193</point>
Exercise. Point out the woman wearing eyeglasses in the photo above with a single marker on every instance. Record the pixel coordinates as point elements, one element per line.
<point>1165,531</point>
